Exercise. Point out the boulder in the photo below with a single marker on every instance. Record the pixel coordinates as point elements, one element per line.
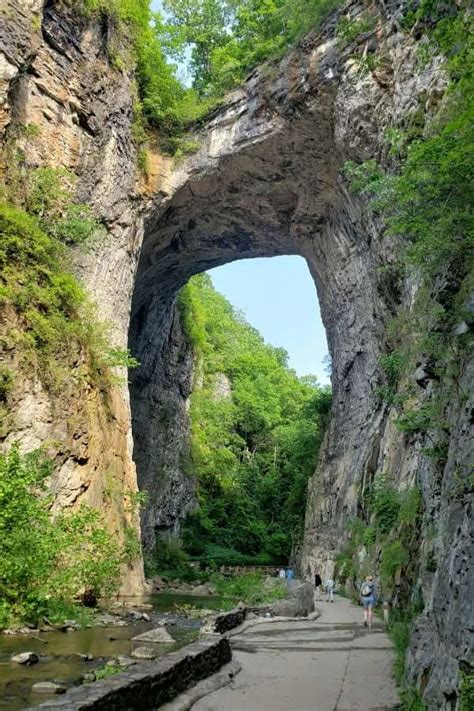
<point>48,687</point>
<point>298,604</point>
<point>125,662</point>
<point>156,636</point>
<point>144,653</point>
<point>26,658</point>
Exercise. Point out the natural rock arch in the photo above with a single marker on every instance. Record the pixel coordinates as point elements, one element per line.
<point>265,182</point>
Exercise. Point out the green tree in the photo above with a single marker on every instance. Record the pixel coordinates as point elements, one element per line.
<point>254,445</point>
<point>45,558</point>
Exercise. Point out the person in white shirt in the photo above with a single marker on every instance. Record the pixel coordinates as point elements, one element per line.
<point>329,584</point>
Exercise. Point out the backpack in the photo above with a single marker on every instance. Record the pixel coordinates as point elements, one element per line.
<point>366,590</point>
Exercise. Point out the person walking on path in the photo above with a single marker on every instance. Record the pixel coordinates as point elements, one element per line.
<point>330,585</point>
<point>368,596</point>
<point>318,581</point>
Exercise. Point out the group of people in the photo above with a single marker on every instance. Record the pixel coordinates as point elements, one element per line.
<point>328,586</point>
<point>286,573</point>
<point>368,594</point>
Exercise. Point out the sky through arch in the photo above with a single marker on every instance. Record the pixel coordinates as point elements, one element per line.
<point>278,297</point>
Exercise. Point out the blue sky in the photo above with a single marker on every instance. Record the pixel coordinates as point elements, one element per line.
<point>279,298</point>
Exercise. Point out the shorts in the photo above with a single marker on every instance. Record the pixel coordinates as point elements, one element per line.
<point>368,601</point>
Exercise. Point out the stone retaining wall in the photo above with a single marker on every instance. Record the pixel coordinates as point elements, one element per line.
<point>146,686</point>
<point>229,620</point>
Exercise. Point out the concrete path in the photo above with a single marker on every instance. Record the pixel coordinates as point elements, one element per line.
<point>330,664</point>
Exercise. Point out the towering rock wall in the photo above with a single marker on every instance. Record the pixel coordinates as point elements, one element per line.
<point>266,181</point>
<point>55,77</point>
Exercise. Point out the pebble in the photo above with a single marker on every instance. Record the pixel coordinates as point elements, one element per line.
<point>27,658</point>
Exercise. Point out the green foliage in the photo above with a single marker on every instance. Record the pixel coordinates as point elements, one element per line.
<point>349,29</point>
<point>48,194</point>
<point>410,503</point>
<point>394,556</point>
<point>55,322</point>
<point>251,588</point>
<point>45,559</point>
<point>385,504</point>
<point>387,539</point>
<point>411,700</point>
<point>120,358</point>
<point>7,378</point>
<point>164,101</point>
<point>466,689</point>
<point>131,545</point>
<point>170,560</point>
<point>256,429</point>
<point>393,364</point>
<point>419,419</point>
<point>399,630</point>
<point>228,39</point>
<point>103,672</point>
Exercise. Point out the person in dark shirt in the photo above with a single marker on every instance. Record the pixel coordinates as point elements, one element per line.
<point>318,581</point>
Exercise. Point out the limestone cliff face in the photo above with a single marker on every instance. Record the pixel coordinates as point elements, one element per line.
<point>266,181</point>
<point>54,75</point>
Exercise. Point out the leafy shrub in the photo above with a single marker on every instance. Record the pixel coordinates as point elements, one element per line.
<point>170,560</point>
<point>385,503</point>
<point>394,556</point>
<point>7,378</point>
<point>393,364</point>
<point>56,322</point>
<point>48,194</point>
<point>349,29</point>
<point>420,419</point>
<point>466,689</point>
<point>410,503</point>
<point>47,560</point>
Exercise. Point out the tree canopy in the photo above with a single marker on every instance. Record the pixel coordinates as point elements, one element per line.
<point>256,430</point>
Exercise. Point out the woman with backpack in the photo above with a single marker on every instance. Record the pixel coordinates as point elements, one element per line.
<point>368,596</point>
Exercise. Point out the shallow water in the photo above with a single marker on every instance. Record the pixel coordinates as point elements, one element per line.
<point>58,650</point>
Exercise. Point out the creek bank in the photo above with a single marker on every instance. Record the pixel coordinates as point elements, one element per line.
<point>68,659</point>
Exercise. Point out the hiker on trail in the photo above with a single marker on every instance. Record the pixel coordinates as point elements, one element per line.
<point>282,573</point>
<point>290,574</point>
<point>318,581</point>
<point>329,585</point>
<point>368,596</point>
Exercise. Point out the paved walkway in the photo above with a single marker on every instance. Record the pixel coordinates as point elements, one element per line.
<point>329,664</point>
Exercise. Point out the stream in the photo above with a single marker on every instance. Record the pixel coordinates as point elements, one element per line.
<point>59,651</point>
